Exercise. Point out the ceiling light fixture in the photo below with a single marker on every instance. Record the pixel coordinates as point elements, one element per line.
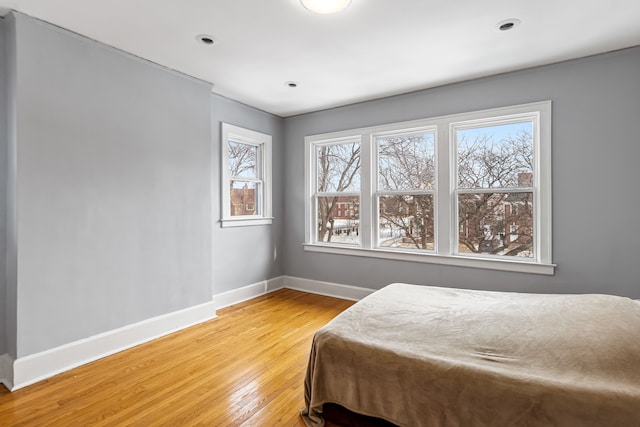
<point>325,7</point>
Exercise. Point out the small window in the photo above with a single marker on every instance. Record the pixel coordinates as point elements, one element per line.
<point>246,177</point>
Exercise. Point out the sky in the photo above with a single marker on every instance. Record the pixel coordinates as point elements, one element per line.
<point>499,132</point>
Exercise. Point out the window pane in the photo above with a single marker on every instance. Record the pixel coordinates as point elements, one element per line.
<point>244,198</point>
<point>242,160</point>
<point>338,167</point>
<point>339,219</point>
<point>496,224</point>
<point>495,156</point>
<point>406,221</point>
<point>406,162</point>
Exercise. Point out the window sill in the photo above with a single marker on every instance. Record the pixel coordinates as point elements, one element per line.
<point>452,260</point>
<point>245,222</point>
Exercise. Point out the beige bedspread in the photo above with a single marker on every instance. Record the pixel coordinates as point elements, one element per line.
<point>428,356</point>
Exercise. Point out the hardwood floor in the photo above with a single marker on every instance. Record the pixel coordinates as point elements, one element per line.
<point>244,368</point>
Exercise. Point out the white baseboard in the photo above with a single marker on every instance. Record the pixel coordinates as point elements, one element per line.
<point>235,296</point>
<point>36,367</point>
<point>245,293</point>
<point>353,293</point>
<point>6,371</point>
<point>277,283</point>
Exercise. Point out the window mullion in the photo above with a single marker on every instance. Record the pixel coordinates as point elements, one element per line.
<point>403,192</point>
<point>445,205</point>
<point>495,190</point>
<point>245,179</point>
<point>367,188</point>
<point>337,193</point>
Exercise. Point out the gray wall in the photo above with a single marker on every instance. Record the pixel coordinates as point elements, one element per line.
<point>11,176</point>
<point>246,255</point>
<point>596,149</point>
<point>3,188</point>
<point>113,188</point>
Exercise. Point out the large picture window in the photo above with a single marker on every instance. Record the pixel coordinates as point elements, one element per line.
<point>470,189</point>
<point>246,177</point>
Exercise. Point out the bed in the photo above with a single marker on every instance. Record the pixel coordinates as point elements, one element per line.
<point>427,356</point>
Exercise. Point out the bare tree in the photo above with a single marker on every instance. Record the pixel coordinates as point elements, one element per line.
<point>406,164</point>
<point>242,169</point>
<point>242,160</point>
<point>338,170</point>
<point>497,222</point>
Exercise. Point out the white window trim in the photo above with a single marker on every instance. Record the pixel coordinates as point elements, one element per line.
<point>264,202</point>
<point>445,231</point>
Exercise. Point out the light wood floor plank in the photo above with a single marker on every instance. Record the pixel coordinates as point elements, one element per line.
<point>244,368</point>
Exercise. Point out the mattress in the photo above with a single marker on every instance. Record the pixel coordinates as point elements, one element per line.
<point>428,356</point>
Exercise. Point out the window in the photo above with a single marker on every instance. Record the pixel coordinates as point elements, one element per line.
<point>494,186</point>
<point>337,191</point>
<point>246,177</point>
<point>405,189</point>
<point>469,189</point>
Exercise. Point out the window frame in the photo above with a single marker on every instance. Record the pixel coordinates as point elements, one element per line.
<point>263,202</point>
<point>378,192</point>
<point>445,228</point>
<point>315,193</point>
<point>533,117</point>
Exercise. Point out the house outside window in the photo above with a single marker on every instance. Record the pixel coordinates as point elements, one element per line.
<point>246,177</point>
<point>471,189</point>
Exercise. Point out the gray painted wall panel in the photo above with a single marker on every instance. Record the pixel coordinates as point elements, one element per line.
<point>10,174</point>
<point>3,187</point>
<point>596,147</point>
<point>246,255</point>
<point>114,191</point>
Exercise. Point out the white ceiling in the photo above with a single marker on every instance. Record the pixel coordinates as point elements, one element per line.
<point>373,49</point>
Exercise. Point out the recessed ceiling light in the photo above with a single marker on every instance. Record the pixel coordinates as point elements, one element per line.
<point>291,84</point>
<point>205,39</point>
<point>507,24</point>
<point>324,7</point>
